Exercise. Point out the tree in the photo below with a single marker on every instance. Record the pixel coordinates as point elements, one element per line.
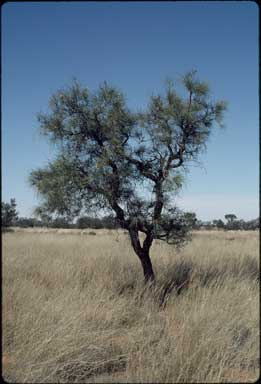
<point>253,224</point>
<point>25,222</point>
<point>231,218</point>
<point>89,222</point>
<point>109,222</point>
<point>60,222</point>
<point>207,225</point>
<point>9,213</point>
<point>218,223</point>
<point>191,219</point>
<point>131,164</point>
<point>45,216</point>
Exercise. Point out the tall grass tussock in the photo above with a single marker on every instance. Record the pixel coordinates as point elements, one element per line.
<point>75,309</point>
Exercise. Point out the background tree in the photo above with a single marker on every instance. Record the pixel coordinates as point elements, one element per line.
<point>89,222</point>
<point>252,224</point>
<point>9,213</point>
<point>60,222</point>
<point>109,222</point>
<point>207,225</point>
<point>45,216</point>
<point>218,223</point>
<point>231,218</point>
<point>25,222</point>
<point>131,164</point>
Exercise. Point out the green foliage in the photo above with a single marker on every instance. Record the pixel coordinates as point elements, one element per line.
<point>173,227</point>
<point>89,222</point>
<point>107,222</point>
<point>122,162</point>
<point>191,219</point>
<point>9,213</point>
<point>60,222</point>
<point>230,220</point>
<point>24,222</point>
<point>218,223</point>
<point>234,224</point>
<point>252,224</point>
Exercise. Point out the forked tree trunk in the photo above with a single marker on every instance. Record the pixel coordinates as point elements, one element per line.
<point>143,255</point>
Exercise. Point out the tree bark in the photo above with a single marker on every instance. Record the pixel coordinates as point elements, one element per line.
<point>143,254</point>
<point>148,272</point>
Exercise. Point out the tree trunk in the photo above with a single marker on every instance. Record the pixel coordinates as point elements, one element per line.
<point>143,254</point>
<point>147,267</point>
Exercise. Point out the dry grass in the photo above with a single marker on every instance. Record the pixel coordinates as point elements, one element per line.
<point>74,309</point>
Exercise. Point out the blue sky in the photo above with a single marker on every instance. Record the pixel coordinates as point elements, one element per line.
<point>135,46</point>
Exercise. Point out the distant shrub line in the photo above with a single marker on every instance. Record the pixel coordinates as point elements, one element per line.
<point>11,218</point>
<point>81,223</point>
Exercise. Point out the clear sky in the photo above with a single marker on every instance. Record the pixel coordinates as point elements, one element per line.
<point>135,46</point>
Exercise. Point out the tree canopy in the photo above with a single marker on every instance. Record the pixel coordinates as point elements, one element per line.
<point>9,213</point>
<point>230,217</point>
<point>132,164</point>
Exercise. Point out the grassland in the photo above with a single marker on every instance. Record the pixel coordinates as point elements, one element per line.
<point>74,309</point>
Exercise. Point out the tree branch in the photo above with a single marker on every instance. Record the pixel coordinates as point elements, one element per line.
<point>142,167</point>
